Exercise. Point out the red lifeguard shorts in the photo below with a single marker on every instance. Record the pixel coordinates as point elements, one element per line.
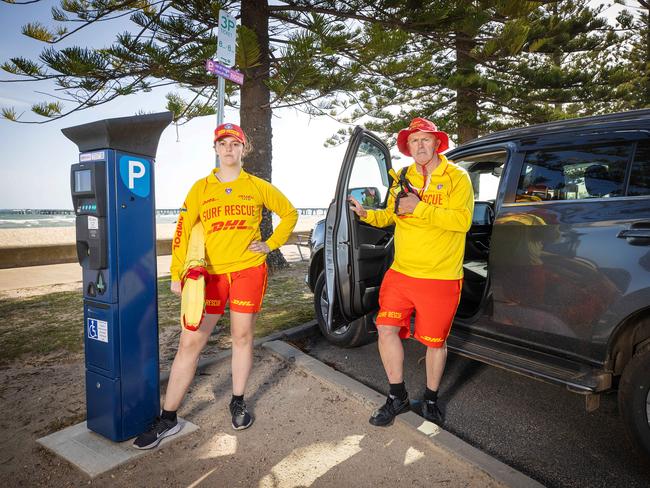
<point>244,288</point>
<point>434,302</point>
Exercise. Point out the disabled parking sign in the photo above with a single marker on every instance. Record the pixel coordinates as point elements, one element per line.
<point>97,330</point>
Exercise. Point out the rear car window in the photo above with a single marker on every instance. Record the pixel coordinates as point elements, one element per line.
<point>573,174</point>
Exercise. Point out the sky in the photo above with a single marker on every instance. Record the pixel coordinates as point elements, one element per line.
<point>36,158</point>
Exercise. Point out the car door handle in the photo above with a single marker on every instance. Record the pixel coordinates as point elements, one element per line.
<point>634,233</point>
<point>638,230</point>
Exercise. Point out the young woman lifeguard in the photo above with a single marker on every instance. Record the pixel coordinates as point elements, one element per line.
<point>228,203</point>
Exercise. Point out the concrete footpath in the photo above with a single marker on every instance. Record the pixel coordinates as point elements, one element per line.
<point>63,276</point>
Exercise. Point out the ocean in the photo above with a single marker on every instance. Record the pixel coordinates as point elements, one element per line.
<point>36,218</point>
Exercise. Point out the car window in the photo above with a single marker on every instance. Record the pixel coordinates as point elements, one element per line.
<point>369,179</point>
<point>484,172</point>
<point>576,173</point>
<point>640,175</point>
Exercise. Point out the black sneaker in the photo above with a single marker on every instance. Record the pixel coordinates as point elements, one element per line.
<point>432,412</point>
<point>160,429</point>
<point>241,419</point>
<point>385,415</point>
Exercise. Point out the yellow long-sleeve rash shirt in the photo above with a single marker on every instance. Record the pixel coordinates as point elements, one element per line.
<point>430,242</point>
<point>231,214</point>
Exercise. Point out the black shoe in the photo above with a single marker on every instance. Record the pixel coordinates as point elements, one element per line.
<point>385,415</point>
<point>432,412</point>
<point>241,419</point>
<point>160,429</point>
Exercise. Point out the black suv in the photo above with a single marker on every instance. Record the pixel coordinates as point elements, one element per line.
<point>557,261</point>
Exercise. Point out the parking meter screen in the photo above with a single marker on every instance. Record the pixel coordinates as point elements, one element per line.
<point>82,181</point>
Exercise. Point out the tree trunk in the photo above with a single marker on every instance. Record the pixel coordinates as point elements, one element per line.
<point>557,54</point>
<point>255,112</point>
<point>466,95</point>
<point>646,68</point>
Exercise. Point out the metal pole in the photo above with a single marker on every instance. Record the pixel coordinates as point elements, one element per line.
<point>221,95</point>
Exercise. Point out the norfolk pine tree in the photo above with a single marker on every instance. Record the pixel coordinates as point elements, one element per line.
<point>633,76</point>
<point>479,66</point>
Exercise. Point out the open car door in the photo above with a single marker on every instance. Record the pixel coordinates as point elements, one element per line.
<point>356,254</point>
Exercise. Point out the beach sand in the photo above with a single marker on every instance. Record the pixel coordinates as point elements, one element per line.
<point>43,236</point>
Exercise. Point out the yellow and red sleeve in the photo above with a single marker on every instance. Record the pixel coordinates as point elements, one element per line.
<point>187,217</point>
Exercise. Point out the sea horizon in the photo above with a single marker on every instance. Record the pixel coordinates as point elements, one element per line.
<point>17,218</point>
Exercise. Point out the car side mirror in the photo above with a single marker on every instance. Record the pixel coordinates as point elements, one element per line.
<point>483,214</point>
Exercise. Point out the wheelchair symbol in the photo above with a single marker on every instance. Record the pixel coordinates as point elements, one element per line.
<point>92,329</point>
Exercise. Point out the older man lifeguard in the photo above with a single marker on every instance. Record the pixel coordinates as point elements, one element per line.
<point>426,275</point>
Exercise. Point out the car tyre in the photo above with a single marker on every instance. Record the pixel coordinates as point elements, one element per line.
<point>348,334</point>
<point>634,401</point>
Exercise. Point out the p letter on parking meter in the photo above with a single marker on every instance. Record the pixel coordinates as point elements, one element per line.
<point>113,197</point>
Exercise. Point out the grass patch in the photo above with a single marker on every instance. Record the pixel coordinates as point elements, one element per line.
<point>288,301</point>
<point>41,325</point>
<point>52,324</point>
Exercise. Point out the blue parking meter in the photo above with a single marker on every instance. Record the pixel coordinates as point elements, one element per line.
<point>113,198</point>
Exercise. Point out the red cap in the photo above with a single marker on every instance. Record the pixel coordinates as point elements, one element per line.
<point>419,124</point>
<point>229,130</point>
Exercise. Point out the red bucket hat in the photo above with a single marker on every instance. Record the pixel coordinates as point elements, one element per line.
<point>419,124</point>
<point>229,130</point>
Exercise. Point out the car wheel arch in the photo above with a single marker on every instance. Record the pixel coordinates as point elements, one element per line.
<point>317,265</point>
<point>351,334</point>
<point>631,336</point>
<point>634,402</point>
